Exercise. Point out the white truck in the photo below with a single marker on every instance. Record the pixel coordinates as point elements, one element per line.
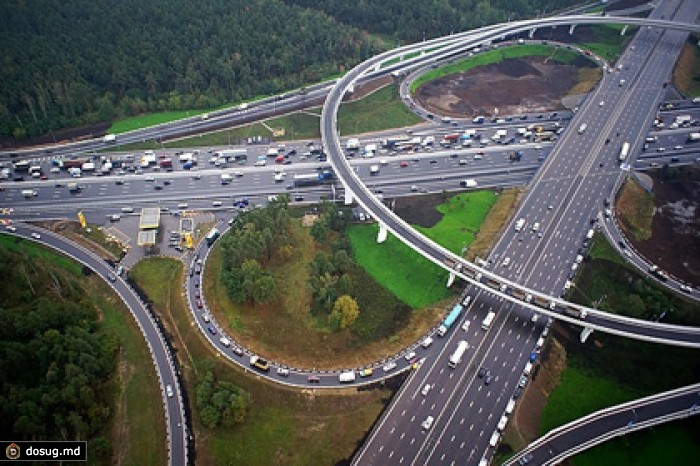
<point>352,144</point>
<point>346,377</point>
<point>29,193</point>
<point>519,224</point>
<point>693,137</point>
<point>88,167</point>
<point>469,183</point>
<point>109,138</point>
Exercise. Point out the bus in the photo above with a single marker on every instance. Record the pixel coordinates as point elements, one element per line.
<point>212,236</point>
<point>488,320</point>
<point>456,357</point>
<point>624,152</point>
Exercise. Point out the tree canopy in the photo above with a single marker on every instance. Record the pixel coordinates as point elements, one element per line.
<point>53,362</point>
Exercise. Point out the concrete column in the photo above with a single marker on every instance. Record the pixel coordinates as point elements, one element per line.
<point>351,88</point>
<point>451,279</point>
<point>571,29</point>
<point>532,33</point>
<point>585,333</point>
<point>381,235</point>
<point>624,30</point>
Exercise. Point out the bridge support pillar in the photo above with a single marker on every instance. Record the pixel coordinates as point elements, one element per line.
<point>585,333</point>
<point>351,88</point>
<point>624,30</point>
<point>381,235</point>
<point>571,29</point>
<point>532,32</point>
<point>451,279</point>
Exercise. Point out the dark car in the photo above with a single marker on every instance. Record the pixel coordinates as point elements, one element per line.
<point>525,459</point>
<point>622,244</point>
<point>482,372</point>
<point>488,380</point>
<point>212,330</point>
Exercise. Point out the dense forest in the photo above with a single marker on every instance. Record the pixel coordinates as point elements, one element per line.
<point>54,363</point>
<point>414,20</point>
<point>79,62</point>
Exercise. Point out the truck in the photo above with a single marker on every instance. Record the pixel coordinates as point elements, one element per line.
<point>450,320</point>
<point>88,167</point>
<point>469,183</point>
<point>501,133</point>
<point>519,224</point>
<point>545,136</point>
<point>74,188</point>
<point>29,193</point>
<point>456,357</point>
<point>682,119</point>
<point>479,119</point>
<point>694,137</point>
<point>374,170</point>
<point>313,179</point>
<point>520,294</point>
<point>352,144</point>
<point>370,151</point>
<point>428,141</point>
<point>392,141</point>
<point>235,155</point>
<point>449,139</point>
<point>541,302</point>
<point>516,156</point>
<point>109,138</point>
<point>624,152</point>
<point>226,178</point>
<point>272,152</point>
<point>186,157</point>
<point>166,162</point>
<point>21,166</point>
<point>346,377</point>
<point>575,312</point>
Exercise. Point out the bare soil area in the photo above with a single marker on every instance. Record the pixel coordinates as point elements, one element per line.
<point>420,210</point>
<point>513,86</point>
<point>676,223</point>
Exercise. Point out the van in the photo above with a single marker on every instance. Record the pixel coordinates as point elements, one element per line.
<point>510,407</point>
<point>427,342</point>
<point>590,234</point>
<point>502,423</point>
<point>528,368</point>
<point>225,341</point>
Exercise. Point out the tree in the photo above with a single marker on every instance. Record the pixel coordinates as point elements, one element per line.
<point>345,312</point>
<point>319,230</point>
<point>264,288</point>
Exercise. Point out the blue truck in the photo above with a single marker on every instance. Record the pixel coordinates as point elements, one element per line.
<point>312,179</point>
<point>450,320</point>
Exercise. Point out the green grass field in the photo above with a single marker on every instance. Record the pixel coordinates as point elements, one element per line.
<point>32,250</point>
<point>382,109</point>
<point>283,426</point>
<point>463,215</point>
<point>608,41</point>
<point>152,119</point>
<point>580,393</point>
<point>495,56</point>
<point>412,278</point>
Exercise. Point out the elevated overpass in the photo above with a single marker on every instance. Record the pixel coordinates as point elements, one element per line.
<point>535,300</point>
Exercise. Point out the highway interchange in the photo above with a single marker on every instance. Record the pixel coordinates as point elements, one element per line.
<point>533,260</point>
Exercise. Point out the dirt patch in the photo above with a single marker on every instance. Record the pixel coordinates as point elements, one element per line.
<point>71,230</point>
<point>525,425</point>
<point>367,88</point>
<point>494,223</point>
<point>676,223</point>
<point>513,86</point>
<point>420,210</point>
<point>635,208</point>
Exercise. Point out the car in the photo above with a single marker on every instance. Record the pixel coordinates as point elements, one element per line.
<point>149,178</point>
<point>686,289</point>
<point>463,161</point>
<point>36,235</point>
<point>167,182</point>
<point>179,248</point>
<point>622,244</point>
<point>403,164</point>
<point>298,197</point>
<point>465,325</point>
<point>366,372</point>
<point>433,161</point>
<point>198,302</point>
<point>483,372</point>
<point>211,329</point>
<point>525,459</point>
<point>522,382</point>
<point>237,350</point>
<point>426,389</point>
<point>428,423</point>
<point>313,379</point>
<point>506,262</point>
<point>414,188</point>
<point>283,372</point>
<point>169,390</point>
<point>410,355</point>
<point>601,103</point>
<point>534,317</point>
<point>678,147</point>
<point>157,187</point>
<point>516,394</point>
<point>488,379</point>
<point>11,228</point>
<point>389,366</point>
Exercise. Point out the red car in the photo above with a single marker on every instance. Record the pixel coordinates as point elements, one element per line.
<point>199,303</point>
<point>404,164</point>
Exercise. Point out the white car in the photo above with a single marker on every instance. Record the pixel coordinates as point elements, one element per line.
<point>465,325</point>
<point>428,423</point>
<point>283,372</point>
<point>11,228</point>
<point>36,236</point>
<point>426,389</point>
<point>389,366</point>
<point>410,355</point>
<point>506,262</point>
